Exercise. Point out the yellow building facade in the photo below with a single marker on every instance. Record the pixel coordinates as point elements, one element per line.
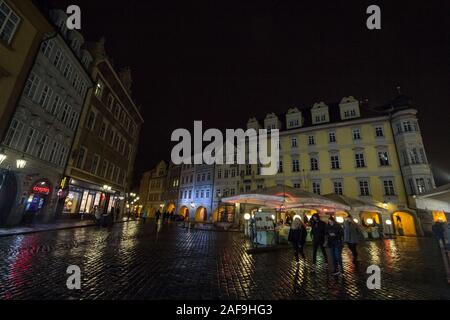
<point>21,33</point>
<point>351,150</point>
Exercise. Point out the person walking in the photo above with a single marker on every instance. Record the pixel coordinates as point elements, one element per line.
<point>335,233</point>
<point>117,213</point>
<point>439,232</point>
<point>144,215</point>
<point>97,215</point>
<point>352,235</point>
<point>297,236</point>
<point>318,230</point>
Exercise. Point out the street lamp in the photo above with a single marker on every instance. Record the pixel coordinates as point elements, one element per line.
<point>247,217</point>
<point>21,163</point>
<point>339,220</point>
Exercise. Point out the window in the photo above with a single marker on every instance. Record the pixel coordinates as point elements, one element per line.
<point>62,156</point>
<point>47,47</point>
<point>58,60</point>
<point>122,146</point>
<point>407,126</point>
<point>9,21</point>
<point>335,162</point>
<point>90,120</point>
<point>379,132</point>
<point>219,174</point>
<point>226,174</point>
<point>190,194</point>
<point>116,111</point>
<point>75,80</point>
<point>31,86</point>
<point>423,158</point>
<point>364,188</point>
<point>116,142</point>
<point>260,186</point>
<point>356,134</point>
<point>65,113</point>
<point>53,152</point>
<point>46,95</point>
<point>359,159</point>
<point>296,185</point>
<point>56,105</point>
<point>316,187</point>
<point>332,137</point>
<point>198,177</point>
<point>14,133</point>
<point>41,146</point>
<point>337,185</point>
<point>29,140</point>
<point>68,69</point>
<point>294,142</point>
<point>314,164</point>
<point>311,140</point>
<point>73,120</point>
<point>94,164</point>
<point>209,176</point>
<point>232,192</point>
<point>280,166</point>
<point>110,102</point>
<point>388,185</point>
<point>383,158</point>
<point>412,188</point>
<point>81,157</point>
<point>110,171</point>
<point>295,166</point>
<point>104,168</point>
<point>99,89</point>
<point>248,170</point>
<point>420,182</point>
<point>414,156</point>
<point>350,113</point>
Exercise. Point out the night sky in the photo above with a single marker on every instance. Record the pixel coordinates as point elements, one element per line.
<point>225,61</point>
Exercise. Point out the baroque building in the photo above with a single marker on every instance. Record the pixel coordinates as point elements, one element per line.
<point>100,166</point>
<point>41,131</point>
<point>347,151</point>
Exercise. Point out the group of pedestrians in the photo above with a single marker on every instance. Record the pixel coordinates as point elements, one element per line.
<point>326,235</point>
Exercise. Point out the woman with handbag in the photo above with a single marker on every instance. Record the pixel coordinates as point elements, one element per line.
<point>297,236</point>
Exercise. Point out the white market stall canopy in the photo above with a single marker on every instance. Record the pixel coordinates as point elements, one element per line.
<point>437,199</point>
<point>287,197</point>
<point>356,204</point>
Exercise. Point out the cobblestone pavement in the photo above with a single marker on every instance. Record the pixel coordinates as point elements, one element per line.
<point>131,261</point>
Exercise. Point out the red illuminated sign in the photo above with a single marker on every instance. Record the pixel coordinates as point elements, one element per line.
<point>41,190</point>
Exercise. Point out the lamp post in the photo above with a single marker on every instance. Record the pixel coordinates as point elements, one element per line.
<point>246,218</point>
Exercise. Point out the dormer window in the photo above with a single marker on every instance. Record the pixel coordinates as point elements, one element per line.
<point>293,118</point>
<point>319,113</point>
<point>349,108</point>
<point>76,45</point>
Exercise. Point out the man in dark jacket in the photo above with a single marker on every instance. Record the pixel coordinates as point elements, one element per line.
<point>335,235</point>
<point>318,230</point>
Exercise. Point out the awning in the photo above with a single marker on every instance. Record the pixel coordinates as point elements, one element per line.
<point>287,197</point>
<point>355,204</point>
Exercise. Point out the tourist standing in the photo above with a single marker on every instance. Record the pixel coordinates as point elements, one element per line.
<point>297,236</point>
<point>318,230</point>
<point>335,236</point>
<point>352,235</point>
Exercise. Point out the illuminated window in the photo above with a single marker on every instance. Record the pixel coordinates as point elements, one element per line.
<point>99,89</point>
<point>383,158</point>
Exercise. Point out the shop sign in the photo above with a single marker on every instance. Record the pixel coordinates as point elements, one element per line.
<point>41,188</point>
